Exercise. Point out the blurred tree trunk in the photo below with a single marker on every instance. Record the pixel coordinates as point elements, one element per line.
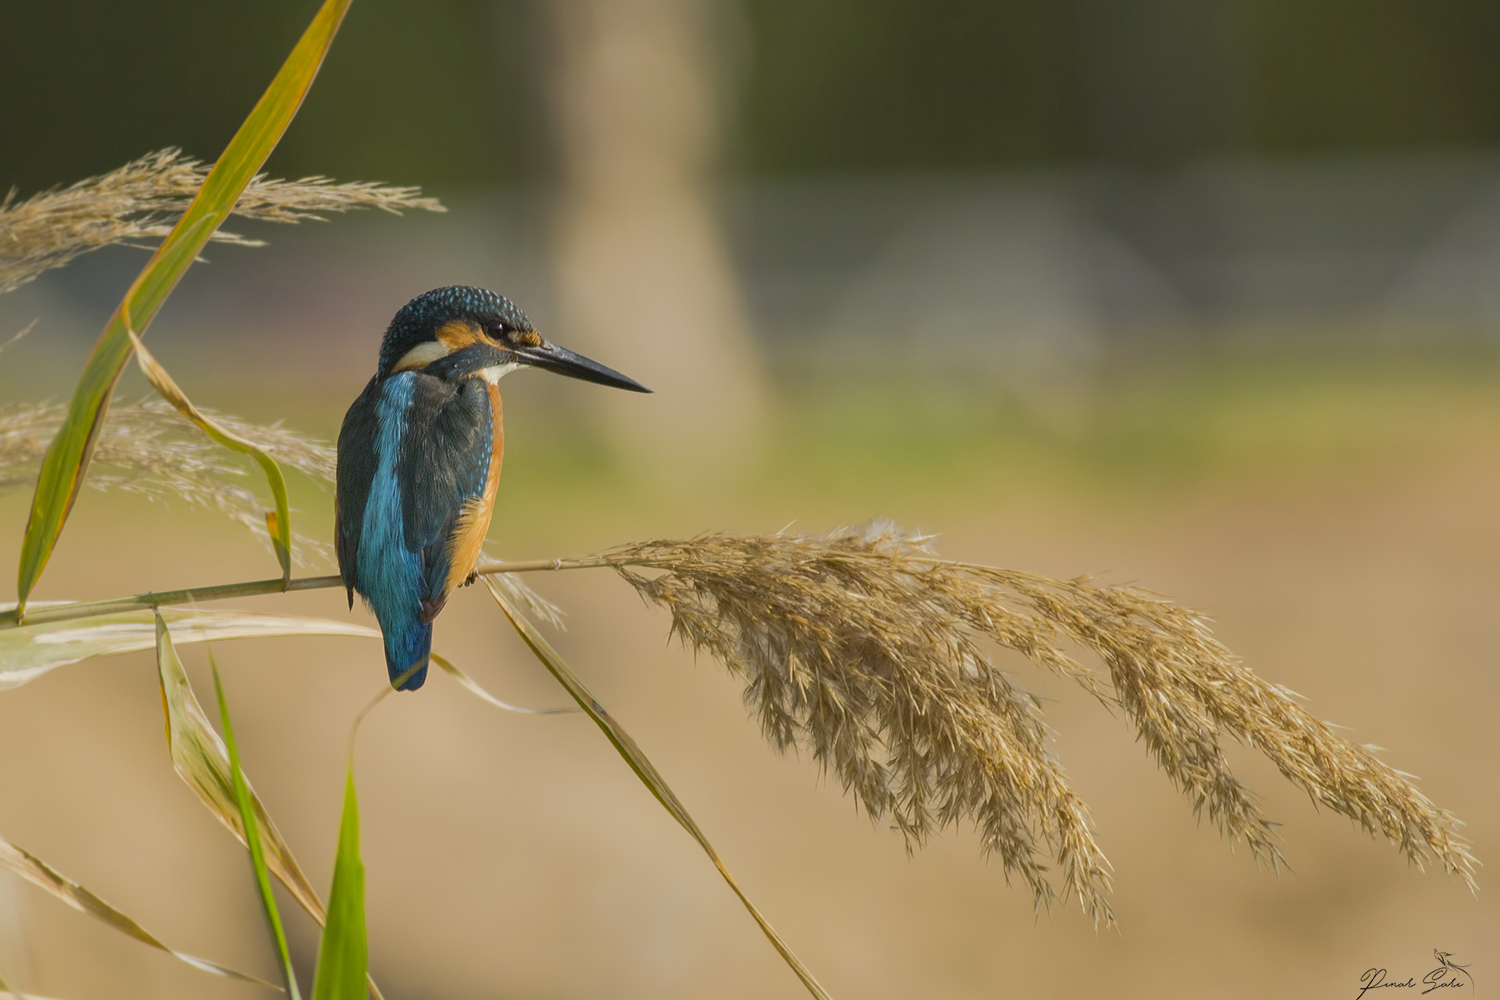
<point>643,277</point>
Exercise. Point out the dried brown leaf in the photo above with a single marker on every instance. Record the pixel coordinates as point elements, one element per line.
<point>201,759</point>
<point>38,872</point>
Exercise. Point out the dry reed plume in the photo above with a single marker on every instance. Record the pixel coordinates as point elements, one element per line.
<point>142,201</point>
<point>150,449</point>
<point>864,647</point>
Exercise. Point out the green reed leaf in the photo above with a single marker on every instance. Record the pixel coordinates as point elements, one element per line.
<point>644,770</point>
<point>68,457</point>
<point>278,521</point>
<point>343,955</point>
<point>29,651</point>
<point>248,821</point>
<point>39,873</point>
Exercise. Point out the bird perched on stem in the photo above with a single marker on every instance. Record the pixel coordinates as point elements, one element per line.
<point>419,458</point>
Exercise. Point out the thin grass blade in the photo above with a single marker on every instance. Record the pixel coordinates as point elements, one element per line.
<point>472,686</point>
<point>68,458</point>
<point>279,521</point>
<point>252,842</point>
<point>29,651</point>
<point>39,873</point>
<point>343,955</point>
<point>202,760</point>
<point>644,770</point>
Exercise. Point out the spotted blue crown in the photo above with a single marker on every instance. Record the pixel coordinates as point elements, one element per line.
<point>418,320</point>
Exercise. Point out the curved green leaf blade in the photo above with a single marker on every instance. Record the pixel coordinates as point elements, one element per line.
<point>68,457</point>
<point>278,521</point>
<point>29,651</point>
<point>646,771</point>
<point>343,955</point>
<point>39,873</point>
<point>248,823</point>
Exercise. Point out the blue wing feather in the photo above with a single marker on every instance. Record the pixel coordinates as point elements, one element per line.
<point>428,453</point>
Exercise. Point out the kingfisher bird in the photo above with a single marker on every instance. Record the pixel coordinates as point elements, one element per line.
<point>419,458</point>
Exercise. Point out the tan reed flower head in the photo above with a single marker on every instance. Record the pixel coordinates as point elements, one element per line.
<point>150,449</point>
<point>865,648</point>
<point>142,200</point>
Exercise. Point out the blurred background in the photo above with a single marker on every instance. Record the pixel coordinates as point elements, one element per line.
<point>1200,296</point>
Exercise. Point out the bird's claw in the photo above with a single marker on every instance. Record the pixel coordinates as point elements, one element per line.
<point>473,575</point>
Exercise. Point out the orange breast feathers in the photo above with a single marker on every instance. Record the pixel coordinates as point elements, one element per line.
<point>474,520</point>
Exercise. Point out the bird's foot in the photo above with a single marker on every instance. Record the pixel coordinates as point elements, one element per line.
<point>473,575</point>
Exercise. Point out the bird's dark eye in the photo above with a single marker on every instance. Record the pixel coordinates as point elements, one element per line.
<point>511,336</point>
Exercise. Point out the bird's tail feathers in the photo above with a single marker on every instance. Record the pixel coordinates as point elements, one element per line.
<point>408,644</point>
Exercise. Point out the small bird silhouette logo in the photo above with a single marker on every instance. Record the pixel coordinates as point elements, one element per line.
<point>419,458</point>
<point>1446,967</point>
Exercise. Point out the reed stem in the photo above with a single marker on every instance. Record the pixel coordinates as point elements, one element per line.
<point>254,588</point>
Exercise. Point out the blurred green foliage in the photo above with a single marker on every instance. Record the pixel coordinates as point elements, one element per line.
<point>417,91</point>
<point>854,84</point>
<point>847,85</point>
<point>448,93</point>
<point>1373,74</point>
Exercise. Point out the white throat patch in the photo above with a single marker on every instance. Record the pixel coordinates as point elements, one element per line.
<point>494,374</point>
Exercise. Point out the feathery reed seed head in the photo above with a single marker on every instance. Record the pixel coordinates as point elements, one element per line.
<point>865,648</point>
<point>150,449</point>
<point>142,201</point>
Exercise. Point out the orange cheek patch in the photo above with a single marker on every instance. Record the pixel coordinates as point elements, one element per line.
<point>458,334</point>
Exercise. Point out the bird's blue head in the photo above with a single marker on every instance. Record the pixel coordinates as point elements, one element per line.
<point>460,331</point>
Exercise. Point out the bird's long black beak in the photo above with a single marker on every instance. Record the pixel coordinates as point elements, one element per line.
<point>564,362</point>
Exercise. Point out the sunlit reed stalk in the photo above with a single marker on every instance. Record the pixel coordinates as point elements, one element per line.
<point>139,203</point>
